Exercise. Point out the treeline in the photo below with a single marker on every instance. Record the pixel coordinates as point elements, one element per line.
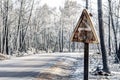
<point>25,24</point>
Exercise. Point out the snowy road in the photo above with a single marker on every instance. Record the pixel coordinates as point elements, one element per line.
<point>52,66</point>
<point>25,68</point>
<point>28,67</point>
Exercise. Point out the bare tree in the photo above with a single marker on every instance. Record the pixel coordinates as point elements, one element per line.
<point>109,31</point>
<point>19,30</point>
<point>5,27</point>
<point>115,28</point>
<point>67,23</point>
<point>22,26</point>
<point>102,42</point>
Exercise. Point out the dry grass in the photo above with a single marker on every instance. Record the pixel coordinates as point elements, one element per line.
<point>57,72</point>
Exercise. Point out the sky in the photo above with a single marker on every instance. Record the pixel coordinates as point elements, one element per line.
<point>53,3</point>
<point>56,3</point>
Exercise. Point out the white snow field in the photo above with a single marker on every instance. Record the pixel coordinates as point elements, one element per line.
<point>50,66</point>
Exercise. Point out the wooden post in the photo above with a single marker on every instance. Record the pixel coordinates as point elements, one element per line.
<point>86,56</point>
<point>86,60</point>
<point>86,4</point>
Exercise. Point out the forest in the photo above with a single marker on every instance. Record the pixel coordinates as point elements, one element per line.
<point>29,26</point>
<point>26,25</point>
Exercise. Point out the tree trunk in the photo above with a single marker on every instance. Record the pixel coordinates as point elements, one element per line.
<point>101,32</point>
<point>18,36</point>
<point>60,49</point>
<point>109,41</point>
<point>86,4</point>
<point>24,34</point>
<point>5,28</point>
<point>62,39</point>
<point>69,43</point>
<point>119,49</point>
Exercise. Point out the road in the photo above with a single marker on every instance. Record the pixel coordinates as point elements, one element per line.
<point>25,68</point>
<point>52,66</point>
<point>28,67</point>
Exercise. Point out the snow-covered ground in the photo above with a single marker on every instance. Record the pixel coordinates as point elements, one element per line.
<point>70,67</point>
<point>52,66</point>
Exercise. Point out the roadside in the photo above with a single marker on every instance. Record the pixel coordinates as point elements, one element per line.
<point>64,69</point>
<point>71,68</point>
<point>3,57</point>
